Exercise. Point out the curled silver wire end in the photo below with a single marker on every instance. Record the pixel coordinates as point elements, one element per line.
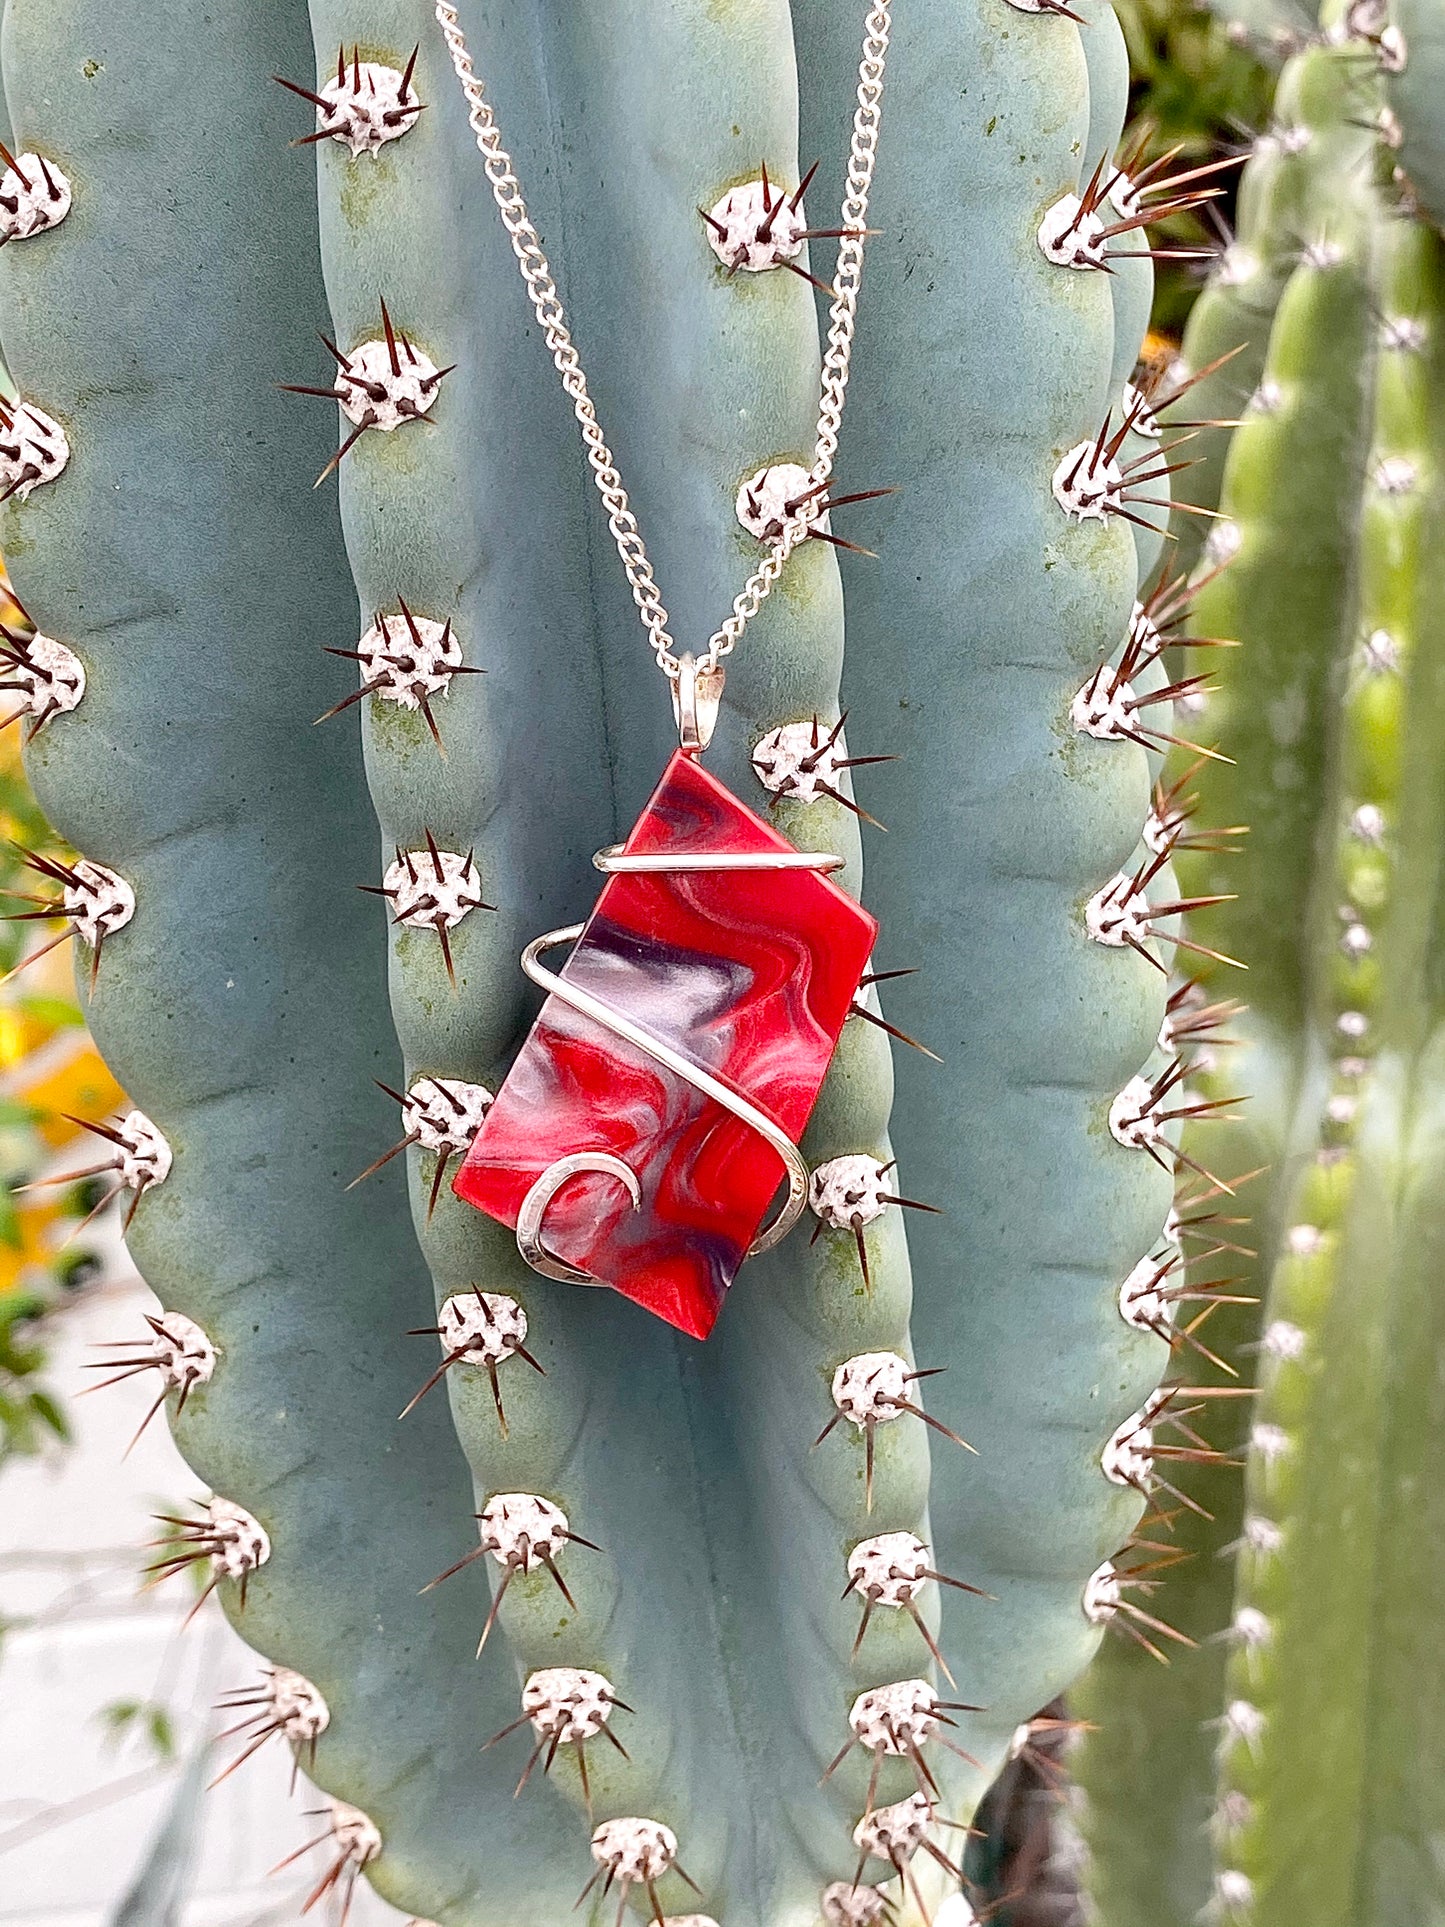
<point>619,1025</point>
<point>534,1209</point>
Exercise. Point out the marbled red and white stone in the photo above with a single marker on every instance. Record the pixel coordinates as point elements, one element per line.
<point>750,975</point>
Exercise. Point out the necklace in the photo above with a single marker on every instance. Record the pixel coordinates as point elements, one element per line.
<point>654,1107</point>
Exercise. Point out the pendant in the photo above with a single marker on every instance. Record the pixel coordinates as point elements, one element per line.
<point>643,1133</point>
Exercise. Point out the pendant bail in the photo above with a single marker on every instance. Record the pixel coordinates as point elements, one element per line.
<point>696,695</point>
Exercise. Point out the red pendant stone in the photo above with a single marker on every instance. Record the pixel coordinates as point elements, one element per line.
<point>749,974</point>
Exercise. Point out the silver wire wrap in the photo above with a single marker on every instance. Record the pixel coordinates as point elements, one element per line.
<point>547,304</point>
<point>534,1208</point>
<point>614,862</point>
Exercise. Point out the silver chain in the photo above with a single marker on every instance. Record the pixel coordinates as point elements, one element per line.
<point>842,316</point>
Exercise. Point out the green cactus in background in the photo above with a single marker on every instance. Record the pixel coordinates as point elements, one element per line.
<point>1286,1771</point>
<point>1193,87</point>
<point>1329,1721</point>
<point>754,1636</point>
<point>1274,29</point>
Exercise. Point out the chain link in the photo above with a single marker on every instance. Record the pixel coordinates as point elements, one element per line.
<point>551,316</point>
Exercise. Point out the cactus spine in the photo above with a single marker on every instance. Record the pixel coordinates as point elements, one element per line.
<point>243,1005</point>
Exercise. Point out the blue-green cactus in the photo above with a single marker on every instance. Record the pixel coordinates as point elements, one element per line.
<point>968,675</point>
<point>690,1531</point>
<point>1286,1771</point>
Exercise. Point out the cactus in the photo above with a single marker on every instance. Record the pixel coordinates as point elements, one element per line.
<point>1273,28</point>
<point>1310,150</point>
<point>245,1010</point>
<point>1282,1772</point>
<point>1312,1738</point>
<point>1415,87</point>
<point>758,1628</point>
